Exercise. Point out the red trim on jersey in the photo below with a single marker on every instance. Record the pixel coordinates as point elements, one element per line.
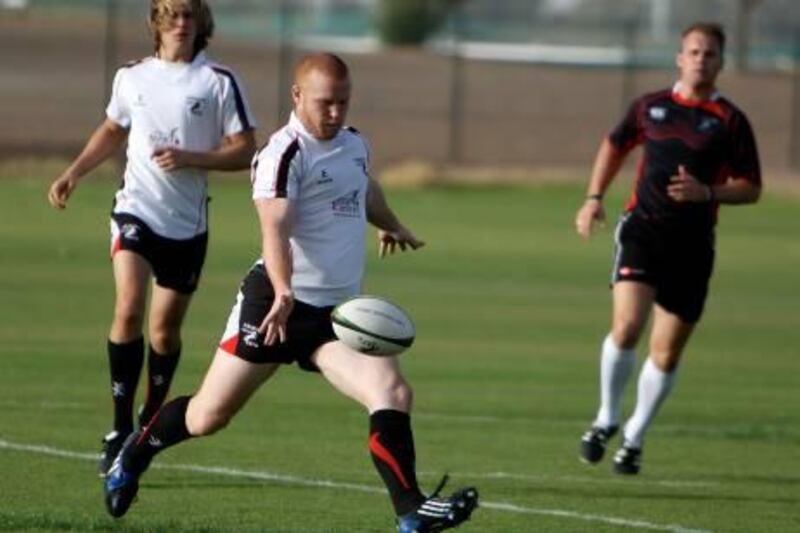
<point>229,345</point>
<point>711,106</point>
<point>386,456</point>
<point>634,199</point>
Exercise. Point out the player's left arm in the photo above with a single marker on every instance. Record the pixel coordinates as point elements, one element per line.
<point>391,232</point>
<point>234,153</point>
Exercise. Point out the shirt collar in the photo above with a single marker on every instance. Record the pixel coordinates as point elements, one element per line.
<point>676,88</point>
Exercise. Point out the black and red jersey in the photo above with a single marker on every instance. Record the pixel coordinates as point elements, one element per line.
<point>711,138</point>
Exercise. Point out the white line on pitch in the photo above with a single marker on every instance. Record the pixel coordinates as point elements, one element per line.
<point>296,480</point>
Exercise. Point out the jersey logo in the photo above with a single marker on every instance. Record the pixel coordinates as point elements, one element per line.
<point>629,271</point>
<point>658,114</point>
<point>324,177</point>
<point>250,337</point>
<point>196,106</point>
<point>347,205</point>
<point>139,101</point>
<point>160,139</point>
<point>708,124</point>
<point>361,163</point>
<point>130,231</point>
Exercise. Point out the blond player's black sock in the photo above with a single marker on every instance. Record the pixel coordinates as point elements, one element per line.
<point>125,362</point>
<point>167,428</point>
<point>391,445</point>
<point>160,371</point>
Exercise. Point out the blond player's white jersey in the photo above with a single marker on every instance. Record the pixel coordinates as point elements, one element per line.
<point>326,183</point>
<point>188,106</point>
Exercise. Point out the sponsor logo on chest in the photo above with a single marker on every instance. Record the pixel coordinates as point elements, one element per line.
<point>347,205</point>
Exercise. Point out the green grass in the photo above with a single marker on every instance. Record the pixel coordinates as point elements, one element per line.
<point>510,307</point>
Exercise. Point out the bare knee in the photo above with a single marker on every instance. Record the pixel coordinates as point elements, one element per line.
<point>204,422</point>
<point>665,360</point>
<point>164,340</point>
<point>626,333</point>
<point>128,319</point>
<point>396,394</point>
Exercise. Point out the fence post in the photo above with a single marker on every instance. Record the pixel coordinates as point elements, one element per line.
<point>628,63</point>
<point>794,127</point>
<point>284,62</point>
<point>110,58</point>
<point>456,112</point>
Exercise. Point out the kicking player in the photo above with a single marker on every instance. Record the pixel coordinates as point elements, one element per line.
<point>699,152</point>
<point>181,115</point>
<point>314,197</point>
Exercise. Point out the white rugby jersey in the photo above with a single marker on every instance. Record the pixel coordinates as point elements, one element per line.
<point>326,182</point>
<point>189,106</point>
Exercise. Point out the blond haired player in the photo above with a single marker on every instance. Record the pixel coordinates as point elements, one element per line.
<point>181,115</point>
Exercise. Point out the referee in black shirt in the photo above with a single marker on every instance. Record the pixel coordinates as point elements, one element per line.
<point>698,152</point>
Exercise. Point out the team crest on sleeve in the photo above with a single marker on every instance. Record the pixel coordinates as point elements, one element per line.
<point>347,205</point>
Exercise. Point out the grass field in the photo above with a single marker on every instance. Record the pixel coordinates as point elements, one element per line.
<point>510,308</point>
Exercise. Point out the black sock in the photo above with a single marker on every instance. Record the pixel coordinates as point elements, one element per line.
<point>160,370</point>
<point>125,361</point>
<point>391,445</point>
<point>167,428</point>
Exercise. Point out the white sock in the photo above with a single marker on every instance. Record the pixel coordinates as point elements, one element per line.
<point>616,365</point>
<point>654,386</point>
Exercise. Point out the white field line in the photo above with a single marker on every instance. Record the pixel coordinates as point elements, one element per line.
<point>305,482</point>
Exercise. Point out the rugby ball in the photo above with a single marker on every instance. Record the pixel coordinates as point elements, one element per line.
<point>373,325</point>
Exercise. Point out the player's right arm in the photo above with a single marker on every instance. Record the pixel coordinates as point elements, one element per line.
<point>606,165</point>
<point>106,139</point>
<point>275,215</point>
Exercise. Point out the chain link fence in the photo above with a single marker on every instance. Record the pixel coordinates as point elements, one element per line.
<point>504,83</point>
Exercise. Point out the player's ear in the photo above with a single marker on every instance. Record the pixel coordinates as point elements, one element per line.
<point>296,93</point>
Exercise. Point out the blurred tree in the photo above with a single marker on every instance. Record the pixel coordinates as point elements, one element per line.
<point>411,22</point>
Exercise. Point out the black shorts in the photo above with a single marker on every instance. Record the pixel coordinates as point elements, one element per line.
<point>177,264</point>
<point>307,329</point>
<point>676,262</point>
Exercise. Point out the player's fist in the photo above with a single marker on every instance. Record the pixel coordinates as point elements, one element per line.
<point>590,212</point>
<point>61,190</point>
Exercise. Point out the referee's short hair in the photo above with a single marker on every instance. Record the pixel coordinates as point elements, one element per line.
<point>161,12</point>
<point>712,29</point>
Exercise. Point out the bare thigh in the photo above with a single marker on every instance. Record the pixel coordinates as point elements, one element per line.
<point>374,382</point>
<point>228,384</point>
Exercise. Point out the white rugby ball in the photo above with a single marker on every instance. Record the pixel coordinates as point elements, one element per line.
<point>373,325</point>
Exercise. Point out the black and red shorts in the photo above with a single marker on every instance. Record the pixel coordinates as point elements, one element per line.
<point>675,261</point>
<point>308,327</point>
<point>176,263</point>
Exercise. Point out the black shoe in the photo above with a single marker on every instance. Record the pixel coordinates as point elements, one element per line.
<point>122,481</point>
<point>438,514</point>
<point>111,446</point>
<point>628,460</point>
<point>594,441</point>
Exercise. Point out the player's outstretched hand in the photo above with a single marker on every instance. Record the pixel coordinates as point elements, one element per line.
<point>684,187</point>
<point>590,212</point>
<point>388,241</point>
<point>273,327</point>
<point>61,190</point>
